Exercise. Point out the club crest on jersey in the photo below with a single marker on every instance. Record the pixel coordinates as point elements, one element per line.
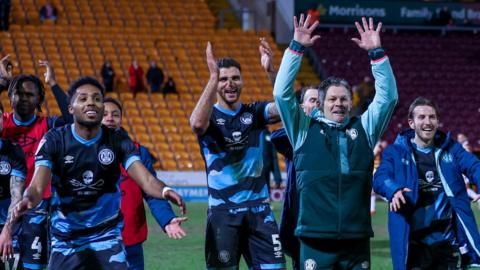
<point>310,264</point>
<point>246,118</point>
<point>353,133</point>
<point>106,156</point>
<point>224,256</point>
<point>5,168</point>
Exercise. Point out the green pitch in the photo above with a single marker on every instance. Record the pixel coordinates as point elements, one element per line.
<point>188,253</point>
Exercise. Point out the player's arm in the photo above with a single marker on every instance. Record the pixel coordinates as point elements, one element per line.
<point>266,59</point>
<point>160,208</point>
<point>384,182</point>
<point>295,121</point>
<point>379,112</point>
<point>153,186</point>
<point>58,93</point>
<point>200,118</point>
<point>17,183</point>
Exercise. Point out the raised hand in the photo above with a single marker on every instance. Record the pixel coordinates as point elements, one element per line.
<point>304,29</point>
<point>369,36</point>
<point>49,74</point>
<point>174,229</point>
<point>211,62</point>
<point>172,196</point>
<point>266,55</point>
<point>3,67</point>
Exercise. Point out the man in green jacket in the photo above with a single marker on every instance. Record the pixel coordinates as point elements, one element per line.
<point>333,155</point>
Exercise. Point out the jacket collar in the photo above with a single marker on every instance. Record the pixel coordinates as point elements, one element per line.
<point>441,141</point>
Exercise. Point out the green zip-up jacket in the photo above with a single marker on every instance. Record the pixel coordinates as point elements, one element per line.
<point>334,161</point>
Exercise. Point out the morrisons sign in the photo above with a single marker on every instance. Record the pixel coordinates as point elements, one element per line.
<point>391,12</point>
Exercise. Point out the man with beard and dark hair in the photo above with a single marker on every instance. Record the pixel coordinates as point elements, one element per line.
<point>430,222</point>
<point>230,134</point>
<point>83,158</point>
<point>26,127</point>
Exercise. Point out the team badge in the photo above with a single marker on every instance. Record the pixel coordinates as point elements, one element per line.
<point>353,133</point>
<point>5,168</point>
<point>224,256</point>
<point>310,264</point>
<point>246,118</point>
<point>106,156</point>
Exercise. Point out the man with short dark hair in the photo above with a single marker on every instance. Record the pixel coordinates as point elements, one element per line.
<point>240,221</point>
<point>431,224</point>
<point>333,154</point>
<point>310,100</point>
<point>83,161</point>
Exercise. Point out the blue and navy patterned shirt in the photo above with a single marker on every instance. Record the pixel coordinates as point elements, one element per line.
<point>232,148</point>
<point>85,181</point>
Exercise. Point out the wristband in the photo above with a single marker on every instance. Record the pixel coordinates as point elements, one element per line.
<point>165,189</point>
<point>296,46</point>
<point>376,53</point>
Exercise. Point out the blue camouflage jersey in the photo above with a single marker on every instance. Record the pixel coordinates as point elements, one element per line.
<point>12,163</point>
<point>85,184</point>
<point>232,148</point>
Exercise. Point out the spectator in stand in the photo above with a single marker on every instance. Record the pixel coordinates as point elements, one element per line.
<point>5,14</point>
<point>136,77</point>
<point>445,16</point>
<point>108,76</point>
<point>170,87</point>
<point>155,77</point>
<point>366,93</point>
<point>48,12</point>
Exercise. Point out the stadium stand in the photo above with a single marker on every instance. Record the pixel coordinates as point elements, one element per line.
<point>426,64</point>
<point>173,32</point>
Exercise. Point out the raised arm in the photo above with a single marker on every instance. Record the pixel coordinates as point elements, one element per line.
<point>200,118</point>
<point>58,93</point>
<point>295,121</point>
<point>266,59</point>
<point>376,118</point>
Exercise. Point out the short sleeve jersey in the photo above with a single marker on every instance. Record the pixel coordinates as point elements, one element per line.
<point>12,163</point>
<point>28,135</point>
<point>85,181</point>
<point>232,148</point>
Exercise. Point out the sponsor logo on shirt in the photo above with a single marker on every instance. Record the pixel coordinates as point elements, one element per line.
<point>220,121</point>
<point>68,159</point>
<point>310,264</point>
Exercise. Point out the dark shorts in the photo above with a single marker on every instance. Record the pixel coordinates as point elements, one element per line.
<point>441,256</point>
<point>248,231</point>
<point>317,254</point>
<point>104,254</point>
<point>135,257</point>
<point>34,238</point>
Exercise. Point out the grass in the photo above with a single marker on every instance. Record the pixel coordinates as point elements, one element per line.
<point>188,253</point>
